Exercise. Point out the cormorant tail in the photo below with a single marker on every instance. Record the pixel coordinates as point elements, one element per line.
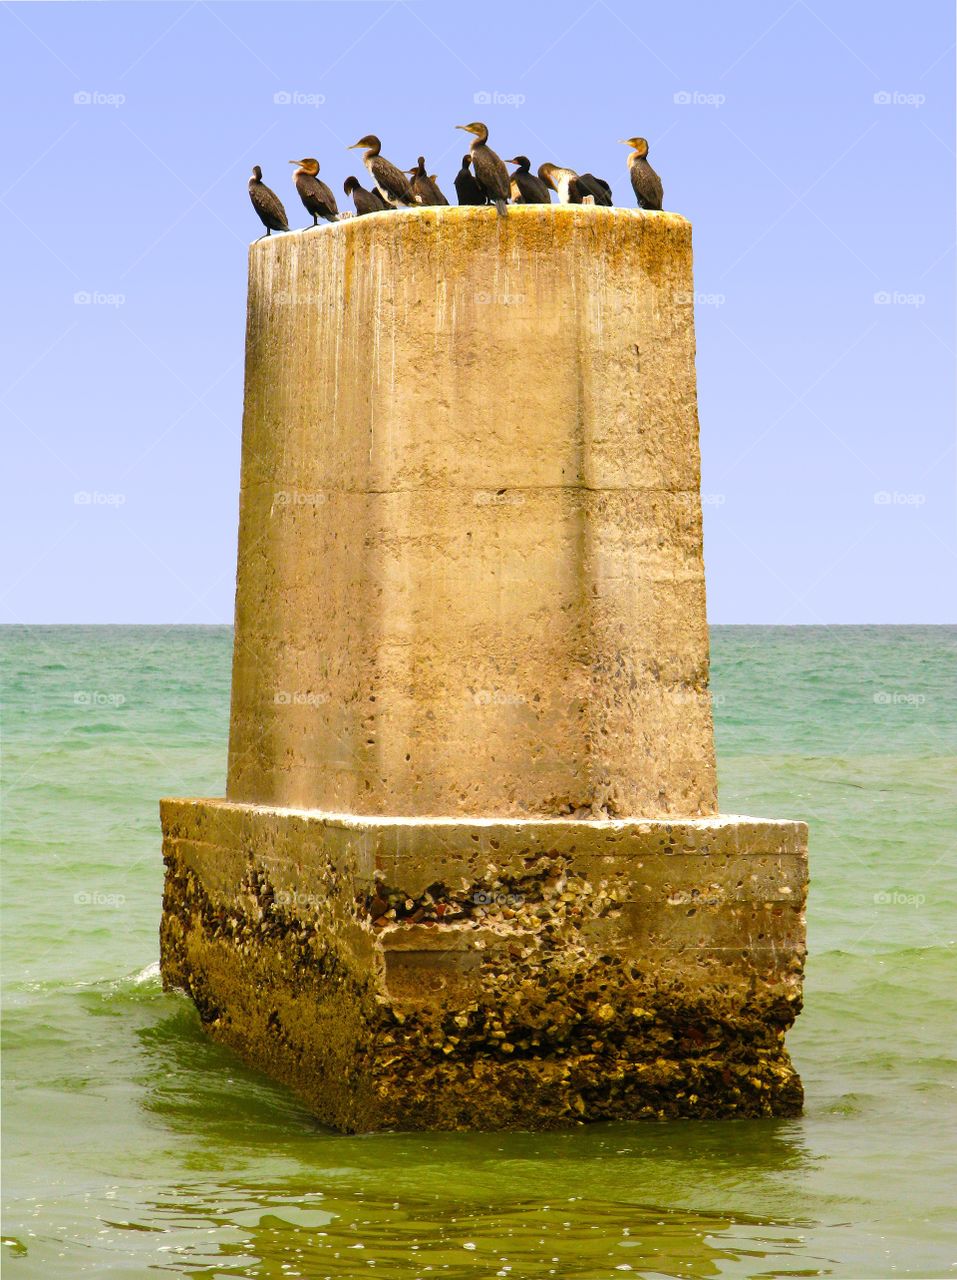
<point>501,208</point>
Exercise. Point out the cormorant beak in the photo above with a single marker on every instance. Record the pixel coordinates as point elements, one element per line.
<point>353,146</point>
<point>463,126</point>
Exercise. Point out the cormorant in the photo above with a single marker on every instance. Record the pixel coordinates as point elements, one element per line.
<point>315,195</point>
<point>490,173</point>
<point>425,188</point>
<point>564,181</point>
<point>589,185</point>
<point>392,182</point>
<point>467,189</point>
<point>526,188</point>
<point>644,180</point>
<point>267,204</point>
<point>364,201</point>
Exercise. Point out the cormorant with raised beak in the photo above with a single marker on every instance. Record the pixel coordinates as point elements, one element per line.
<point>364,201</point>
<point>425,188</point>
<point>467,189</point>
<point>267,204</point>
<point>645,182</point>
<point>490,172</point>
<point>526,187</point>
<point>392,183</point>
<point>564,181</point>
<point>315,195</point>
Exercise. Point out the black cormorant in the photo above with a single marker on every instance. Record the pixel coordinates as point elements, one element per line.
<point>315,195</point>
<point>467,189</point>
<point>644,180</point>
<point>267,204</point>
<point>392,182</point>
<point>364,201</point>
<point>589,185</point>
<point>490,173</point>
<point>564,181</point>
<point>425,188</point>
<point>526,188</point>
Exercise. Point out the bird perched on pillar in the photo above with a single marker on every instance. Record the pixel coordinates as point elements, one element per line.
<point>315,195</point>
<point>267,204</point>
<point>490,172</point>
<point>364,201</point>
<point>526,187</point>
<point>391,182</point>
<point>467,190</point>
<point>644,181</point>
<point>564,181</point>
<point>425,188</point>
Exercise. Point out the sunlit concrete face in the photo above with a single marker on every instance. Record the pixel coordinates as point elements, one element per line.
<point>470,572</point>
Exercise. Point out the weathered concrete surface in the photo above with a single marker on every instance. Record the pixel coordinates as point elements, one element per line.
<point>469,872</point>
<point>470,493</point>
<point>493,974</point>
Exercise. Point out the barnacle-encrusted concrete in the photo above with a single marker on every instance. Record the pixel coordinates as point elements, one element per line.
<point>469,872</point>
<point>492,974</point>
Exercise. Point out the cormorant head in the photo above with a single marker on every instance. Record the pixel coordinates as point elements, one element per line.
<point>308,165</point>
<point>480,130</point>
<point>370,140</point>
<point>466,161</point>
<point>637,144</point>
<point>523,162</point>
<point>257,173</point>
<point>350,185</point>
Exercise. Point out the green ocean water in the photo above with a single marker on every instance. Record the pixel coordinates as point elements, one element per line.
<point>133,1146</point>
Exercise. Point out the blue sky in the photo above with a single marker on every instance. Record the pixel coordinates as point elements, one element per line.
<point>810,144</point>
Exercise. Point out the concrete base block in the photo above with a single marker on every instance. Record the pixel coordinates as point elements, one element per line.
<point>491,974</point>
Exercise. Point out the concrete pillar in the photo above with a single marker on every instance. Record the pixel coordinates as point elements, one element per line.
<point>471,762</point>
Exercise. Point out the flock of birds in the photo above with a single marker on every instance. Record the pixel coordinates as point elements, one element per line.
<point>482,179</point>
